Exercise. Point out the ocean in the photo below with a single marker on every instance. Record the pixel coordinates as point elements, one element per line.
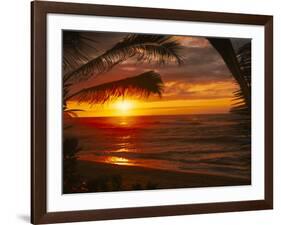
<point>208,144</point>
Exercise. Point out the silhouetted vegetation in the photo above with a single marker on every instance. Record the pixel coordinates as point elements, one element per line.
<point>72,181</point>
<point>136,186</point>
<point>244,59</point>
<point>105,183</point>
<point>148,186</point>
<point>141,86</point>
<point>240,67</point>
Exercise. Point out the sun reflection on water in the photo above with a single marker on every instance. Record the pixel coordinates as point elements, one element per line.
<point>123,123</point>
<point>118,160</point>
<point>122,150</point>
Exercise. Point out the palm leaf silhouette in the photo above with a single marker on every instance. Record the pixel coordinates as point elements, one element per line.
<point>72,112</point>
<point>78,47</point>
<point>160,49</point>
<point>244,59</point>
<point>142,86</point>
<point>243,95</point>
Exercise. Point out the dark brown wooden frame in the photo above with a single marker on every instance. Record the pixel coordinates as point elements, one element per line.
<point>39,214</point>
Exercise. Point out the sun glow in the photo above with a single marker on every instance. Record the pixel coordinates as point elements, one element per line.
<point>128,107</point>
<point>124,106</point>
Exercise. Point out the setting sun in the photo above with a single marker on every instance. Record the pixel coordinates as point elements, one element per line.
<point>124,106</point>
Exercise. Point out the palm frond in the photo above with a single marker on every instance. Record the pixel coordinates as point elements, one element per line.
<point>71,112</point>
<point>141,86</point>
<point>160,49</point>
<point>239,105</point>
<point>244,59</point>
<point>78,48</point>
<point>225,49</point>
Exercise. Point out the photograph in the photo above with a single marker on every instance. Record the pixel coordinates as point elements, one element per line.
<point>153,111</point>
<point>141,112</point>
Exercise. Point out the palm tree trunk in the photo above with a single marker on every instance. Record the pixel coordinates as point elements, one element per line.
<point>225,49</point>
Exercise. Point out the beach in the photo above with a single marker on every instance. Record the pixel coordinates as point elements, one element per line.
<point>140,178</point>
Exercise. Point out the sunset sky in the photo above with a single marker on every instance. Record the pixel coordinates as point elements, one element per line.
<point>201,85</point>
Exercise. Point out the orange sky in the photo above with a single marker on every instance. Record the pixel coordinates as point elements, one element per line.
<point>161,107</point>
<point>202,85</point>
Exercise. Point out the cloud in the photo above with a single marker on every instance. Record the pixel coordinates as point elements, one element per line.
<point>184,90</point>
<point>194,42</point>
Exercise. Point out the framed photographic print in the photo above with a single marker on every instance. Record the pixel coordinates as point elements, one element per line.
<point>142,112</point>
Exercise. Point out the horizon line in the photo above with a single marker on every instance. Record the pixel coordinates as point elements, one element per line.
<point>222,113</point>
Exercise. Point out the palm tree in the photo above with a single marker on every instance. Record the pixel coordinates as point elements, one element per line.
<point>80,65</point>
<point>240,67</point>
